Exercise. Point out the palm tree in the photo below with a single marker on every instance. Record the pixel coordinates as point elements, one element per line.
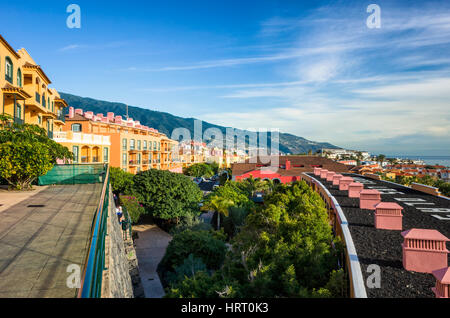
<point>219,205</point>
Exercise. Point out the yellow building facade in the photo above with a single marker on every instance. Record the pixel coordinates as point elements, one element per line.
<point>26,95</point>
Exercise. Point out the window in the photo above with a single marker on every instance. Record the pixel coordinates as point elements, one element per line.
<point>139,158</point>
<point>75,153</point>
<point>154,145</point>
<point>9,70</point>
<point>43,100</point>
<point>124,144</point>
<point>39,119</point>
<point>105,154</point>
<point>139,145</point>
<point>18,111</point>
<point>145,144</point>
<point>132,141</point>
<point>76,127</point>
<point>159,146</point>
<point>19,78</point>
<point>124,159</point>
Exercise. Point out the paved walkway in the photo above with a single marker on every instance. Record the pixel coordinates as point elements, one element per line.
<point>43,234</point>
<point>150,249</point>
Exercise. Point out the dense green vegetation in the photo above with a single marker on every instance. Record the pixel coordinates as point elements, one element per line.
<point>166,122</point>
<point>163,195</point>
<point>444,187</point>
<point>166,195</point>
<point>121,181</point>
<point>280,249</point>
<point>199,170</point>
<point>26,153</point>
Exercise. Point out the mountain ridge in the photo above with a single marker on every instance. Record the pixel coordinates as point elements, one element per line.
<point>166,123</point>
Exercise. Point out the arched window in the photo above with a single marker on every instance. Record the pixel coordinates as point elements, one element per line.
<point>9,70</point>
<point>76,127</point>
<point>19,78</point>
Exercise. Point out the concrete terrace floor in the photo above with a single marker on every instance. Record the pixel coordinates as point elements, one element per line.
<point>150,249</point>
<point>38,243</point>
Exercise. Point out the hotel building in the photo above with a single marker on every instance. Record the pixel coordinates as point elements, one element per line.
<point>133,147</point>
<point>25,91</point>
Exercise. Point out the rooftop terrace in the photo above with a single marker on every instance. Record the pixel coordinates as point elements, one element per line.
<point>384,247</point>
<point>43,234</point>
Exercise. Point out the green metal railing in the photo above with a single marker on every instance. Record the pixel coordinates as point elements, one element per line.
<point>91,281</point>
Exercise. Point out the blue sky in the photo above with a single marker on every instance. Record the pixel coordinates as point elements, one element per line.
<point>311,68</point>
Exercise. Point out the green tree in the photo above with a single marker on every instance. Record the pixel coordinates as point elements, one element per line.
<point>208,246</point>
<point>166,195</point>
<point>121,181</point>
<point>26,153</point>
<point>199,170</point>
<point>220,205</point>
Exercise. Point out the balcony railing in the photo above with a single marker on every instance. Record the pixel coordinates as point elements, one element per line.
<point>94,159</point>
<point>84,159</point>
<point>61,117</point>
<point>17,120</point>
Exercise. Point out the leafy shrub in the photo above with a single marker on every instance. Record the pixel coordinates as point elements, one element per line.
<point>133,207</point>
<point>190,222</point>
<point>189,268</point>
<point>202,244</point>
<point>166,195</point>
<point>121,181</point>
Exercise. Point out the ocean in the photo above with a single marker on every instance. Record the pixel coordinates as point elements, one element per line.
<point>432,160</point>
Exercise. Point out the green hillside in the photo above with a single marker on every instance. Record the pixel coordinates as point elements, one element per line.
<point>166,122</point>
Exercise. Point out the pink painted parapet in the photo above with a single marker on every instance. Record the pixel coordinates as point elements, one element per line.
<point>368,199</point>
<point>354,189</point>
<point>388,216</point>
<point>337,178</point>
<point>317,171</point>
<point>424,251</point>
<point>344,182</point>
<point>442,288</point>
<point>323,173</point>
<point>330,175</point>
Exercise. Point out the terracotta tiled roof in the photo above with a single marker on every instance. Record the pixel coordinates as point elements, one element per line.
<point>299,164</point>
<point>13,89</point>
<point>76,117</point>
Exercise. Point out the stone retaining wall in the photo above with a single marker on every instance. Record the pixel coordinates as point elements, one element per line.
<point>117,282</point>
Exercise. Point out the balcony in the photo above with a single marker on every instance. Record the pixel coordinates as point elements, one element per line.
<point>81,138</point>
<point>133,163</point>
<point>19,121</point>
<point>145,162</point>
<point>61,117</point>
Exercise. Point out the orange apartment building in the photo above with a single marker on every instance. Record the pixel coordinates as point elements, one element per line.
<point>133,147</point>
<point>25,91</point>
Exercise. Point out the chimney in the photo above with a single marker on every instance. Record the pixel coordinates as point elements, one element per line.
<point>71,112</point>
<point>288,165</point>
<point>424,250</point>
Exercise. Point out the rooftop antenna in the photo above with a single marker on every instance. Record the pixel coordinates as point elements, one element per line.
<point>127,111</point>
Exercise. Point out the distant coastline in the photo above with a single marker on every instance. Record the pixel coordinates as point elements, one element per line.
<point>431,160</point>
